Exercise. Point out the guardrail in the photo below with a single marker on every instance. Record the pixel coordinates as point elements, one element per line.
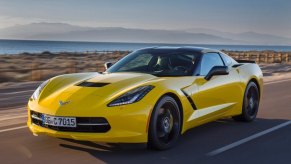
<point>262,57</point>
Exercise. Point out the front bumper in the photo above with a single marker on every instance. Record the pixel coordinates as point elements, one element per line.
<point>126,126</point>
<point>111,137</point>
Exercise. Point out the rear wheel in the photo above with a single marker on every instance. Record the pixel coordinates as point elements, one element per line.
<point>250,103</point>
<point>165,124</point>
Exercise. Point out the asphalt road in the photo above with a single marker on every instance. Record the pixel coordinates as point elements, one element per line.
<point>16,96</point>
<point>266,140</point>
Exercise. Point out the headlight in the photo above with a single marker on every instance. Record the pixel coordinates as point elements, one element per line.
<point>38,90</point>
<point>132,96</point>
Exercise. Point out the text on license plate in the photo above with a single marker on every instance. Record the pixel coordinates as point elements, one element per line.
<point>59,121</point>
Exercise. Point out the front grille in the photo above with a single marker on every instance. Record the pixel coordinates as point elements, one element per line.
<point>84,124</point>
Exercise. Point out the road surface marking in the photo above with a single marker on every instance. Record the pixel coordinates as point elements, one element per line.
<point>12,114</point>
<point>277,81</point>
<point>11,93</point>
<point>10,118</point>
<point>235,144</point>
<point>10,129</point>
<point>13,111</point>
<point>15,97</point>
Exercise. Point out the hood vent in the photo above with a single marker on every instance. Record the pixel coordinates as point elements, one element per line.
<point>92,84</point>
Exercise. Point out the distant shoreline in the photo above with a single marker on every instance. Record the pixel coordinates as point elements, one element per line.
<point>38,46</point>
<point>39,54</point>
<point>75,41</point>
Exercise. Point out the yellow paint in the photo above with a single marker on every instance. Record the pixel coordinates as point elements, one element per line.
<point>219,97</point>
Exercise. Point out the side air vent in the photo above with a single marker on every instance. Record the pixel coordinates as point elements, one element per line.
<point>190,100</point>
<point>92,84</point>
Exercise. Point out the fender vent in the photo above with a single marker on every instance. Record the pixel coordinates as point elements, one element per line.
<point>190,100</point>
<point>92,84</point>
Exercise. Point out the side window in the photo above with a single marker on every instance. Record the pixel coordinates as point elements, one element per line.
<point>227,60</point>
<point>210,60</point>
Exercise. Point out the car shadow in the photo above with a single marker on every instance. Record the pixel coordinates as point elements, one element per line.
<point>192,146</point>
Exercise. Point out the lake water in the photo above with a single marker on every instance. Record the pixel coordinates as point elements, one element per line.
<point>20,46</point>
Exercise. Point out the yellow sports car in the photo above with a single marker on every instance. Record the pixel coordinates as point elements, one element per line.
<point>152,95</point>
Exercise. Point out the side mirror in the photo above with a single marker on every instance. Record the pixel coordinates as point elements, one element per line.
<point>217,70</point>
<point>107,65</point>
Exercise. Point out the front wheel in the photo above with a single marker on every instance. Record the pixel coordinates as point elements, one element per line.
<point>165,124</point>
<point>250,103</point>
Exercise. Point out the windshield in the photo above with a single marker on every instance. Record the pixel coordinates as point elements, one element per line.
<point>158,63</point>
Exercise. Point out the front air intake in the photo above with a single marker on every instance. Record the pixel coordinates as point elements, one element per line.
<point>92,84</point>
<point>84,124</point>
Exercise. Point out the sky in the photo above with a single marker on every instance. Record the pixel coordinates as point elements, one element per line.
<point>264,16</point>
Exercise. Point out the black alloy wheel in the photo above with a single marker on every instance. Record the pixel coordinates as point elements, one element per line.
<point>250,103</point>
<point>165,124</point>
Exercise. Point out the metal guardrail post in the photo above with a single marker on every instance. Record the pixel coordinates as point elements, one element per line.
<point>266,57</point>
<point>258,58</point>
<point>248,56</point>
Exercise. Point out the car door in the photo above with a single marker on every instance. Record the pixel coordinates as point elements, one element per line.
<point>218,95</point>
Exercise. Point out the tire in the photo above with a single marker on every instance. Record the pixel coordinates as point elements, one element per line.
<point>250,104</point>
<point>165,124</point>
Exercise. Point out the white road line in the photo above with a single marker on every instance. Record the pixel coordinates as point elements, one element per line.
<point>235,144</point>
<point>9,118</point>
<point>14,97</point>
<point>13,111</point>
<point>13,114</point>
<point>15,128</point>
<point>278,81</point>
<point>11,93</point>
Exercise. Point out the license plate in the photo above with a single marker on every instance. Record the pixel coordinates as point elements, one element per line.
<point>59,121</point>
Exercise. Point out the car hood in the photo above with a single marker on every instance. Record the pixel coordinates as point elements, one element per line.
<point>90,88</point>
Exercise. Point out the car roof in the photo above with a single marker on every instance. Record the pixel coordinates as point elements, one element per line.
<point>186,48</point>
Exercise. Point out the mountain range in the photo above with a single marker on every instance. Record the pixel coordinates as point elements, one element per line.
<point>67,32</point>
